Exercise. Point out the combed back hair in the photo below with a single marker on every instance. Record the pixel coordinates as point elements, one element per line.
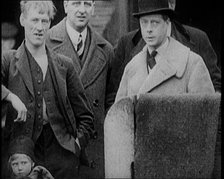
<point>43,6</point>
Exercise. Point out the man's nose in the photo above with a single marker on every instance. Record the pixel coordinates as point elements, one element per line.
<point>39,25</point>
<point>149,27</point>
<point>82,7</point>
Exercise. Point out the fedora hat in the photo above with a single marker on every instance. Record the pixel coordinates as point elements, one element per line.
<point>146,7</point>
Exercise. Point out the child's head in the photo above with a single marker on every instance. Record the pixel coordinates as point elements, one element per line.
<point>21,160</point>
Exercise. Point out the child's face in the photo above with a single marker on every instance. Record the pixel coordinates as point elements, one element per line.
<point>21,165</point>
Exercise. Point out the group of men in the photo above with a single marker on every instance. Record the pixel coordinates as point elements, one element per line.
<point>61,82</point>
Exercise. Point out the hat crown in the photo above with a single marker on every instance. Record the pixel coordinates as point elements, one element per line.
<point>152,5</point>
<point>22,145</point>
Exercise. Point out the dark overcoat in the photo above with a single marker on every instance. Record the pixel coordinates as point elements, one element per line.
<point>75,108</point>
<point>131,44</point>
<point>95,75</point>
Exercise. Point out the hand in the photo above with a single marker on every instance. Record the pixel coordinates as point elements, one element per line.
<point>18,106</point>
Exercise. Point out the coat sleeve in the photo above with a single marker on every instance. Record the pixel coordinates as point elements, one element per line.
<point>4,76</point>
<point>200,80</point>
<point>110,90</point>
<point>80,106</point>
<point>123,87</point>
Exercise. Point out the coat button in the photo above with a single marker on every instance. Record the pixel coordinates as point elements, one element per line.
<point>39,116</point>
<point>38,92</point>
<point>38,105</point>
<point>39,128</point>
<point>39,81</point>
<point>96,103</point>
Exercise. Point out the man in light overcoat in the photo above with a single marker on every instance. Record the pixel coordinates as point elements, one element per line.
<point>164,65</point>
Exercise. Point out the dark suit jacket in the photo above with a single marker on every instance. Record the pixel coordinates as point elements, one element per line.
<point>16,77</point>
<point>132,43</point>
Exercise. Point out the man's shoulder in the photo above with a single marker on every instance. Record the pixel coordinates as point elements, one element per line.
<point>57,30</point>
<point>195,32</point>
<point>131,35</point>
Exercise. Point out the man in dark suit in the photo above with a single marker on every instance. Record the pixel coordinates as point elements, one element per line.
<point>91,55</point>
<point>48,100</point>
<point>197,40</point>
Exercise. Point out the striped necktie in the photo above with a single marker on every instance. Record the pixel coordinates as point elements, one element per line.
<point>79,45</point>
<point>151,62</point>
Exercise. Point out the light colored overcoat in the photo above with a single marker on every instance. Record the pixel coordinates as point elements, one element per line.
<point>179,71</point>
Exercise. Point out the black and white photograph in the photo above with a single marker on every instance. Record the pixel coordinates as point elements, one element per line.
<point>102,89</point>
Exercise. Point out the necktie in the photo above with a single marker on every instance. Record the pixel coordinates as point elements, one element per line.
<point>151,59</point>
<point>79,45</point>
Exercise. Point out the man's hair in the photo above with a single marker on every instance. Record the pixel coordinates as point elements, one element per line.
<point>43,6</point>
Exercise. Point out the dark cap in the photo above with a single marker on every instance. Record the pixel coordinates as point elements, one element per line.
<point>22,145</point>
<point>146,7</point>
<point>9,30</point>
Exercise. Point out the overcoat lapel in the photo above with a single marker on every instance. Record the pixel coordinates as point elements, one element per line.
<point>95,60</point>
<point>65,45</point>
<point>137,48</point>
<point>168,66</point>
<point>161,73</point>
<point>23,66</point>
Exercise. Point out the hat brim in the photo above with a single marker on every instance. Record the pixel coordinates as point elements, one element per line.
<point>166,11</point>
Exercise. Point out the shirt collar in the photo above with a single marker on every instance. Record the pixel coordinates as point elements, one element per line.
<point>162,48</point>
<point>74,35</point>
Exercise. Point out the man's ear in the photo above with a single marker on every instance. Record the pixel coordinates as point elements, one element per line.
<point>21,20</point>
<point>33,163</point>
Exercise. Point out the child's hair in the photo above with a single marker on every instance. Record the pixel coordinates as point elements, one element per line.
<point>44,6</point>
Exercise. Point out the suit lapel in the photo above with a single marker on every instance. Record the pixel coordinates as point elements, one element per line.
<point>23,66</point>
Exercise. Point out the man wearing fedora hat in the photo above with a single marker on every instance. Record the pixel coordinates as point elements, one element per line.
<point>164,65</point>
<point>132,43</point>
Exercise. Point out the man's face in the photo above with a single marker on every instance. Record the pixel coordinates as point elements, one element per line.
<point>153,29</point>
<point>36,25</point>
<point>78,13</point>
<point>21,165</point>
